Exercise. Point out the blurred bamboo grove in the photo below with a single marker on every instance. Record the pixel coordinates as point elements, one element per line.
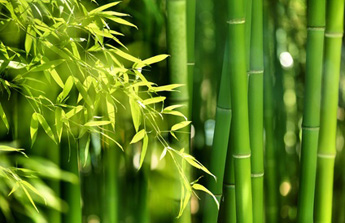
<point>128,111</point>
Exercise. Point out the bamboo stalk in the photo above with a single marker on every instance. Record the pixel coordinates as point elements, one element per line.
<point>311,116</point>
<point>190,47</point>
<point>227,213</point>
<point>271,178</point>
<point>329,105</point>
<point>239,100</point>
<point>220,143</point>
<point>177,46</point>
<point>256,110</point>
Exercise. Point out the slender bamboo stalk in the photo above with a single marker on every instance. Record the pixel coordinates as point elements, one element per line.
<point>311,116</point>
<point>239,100</point>
<point>271,179</point>
<point>227,213</point>
<point>329,106</point>
<point>190,47</point>
<point>220,143</point>
<point>177,45</point>
<point>256,110</point>
<point>71,193</point>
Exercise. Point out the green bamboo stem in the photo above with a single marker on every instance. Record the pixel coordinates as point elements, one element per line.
<point>178,73</point>
<point>220,143</point>
<point>329,105</point>
<point>71,193</point>
<point>311,116</point>
<point>256,110</point>
<point>271,178</point>
<point>239,100</point>
<point>227,212</point>
<point>190,47</point>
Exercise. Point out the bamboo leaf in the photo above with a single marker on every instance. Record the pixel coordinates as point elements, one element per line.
<point>102,8</point>
<point>56,77</point>
<point>29,197</point>
<point>15,187</point>
<point>180,125</point>
<point>136,114</point>
<point>153,100</point>
<point>66,89</point>
<point>176,113</point>
<point>97,123</point>
<point>194,162</point>
<point>74,111</point>
<point>45,126</point>
<point>47,65</point>
<point>111,110</point>
<point>58,122</point>
<point>172,107</point>
<point>202,188</point>
<point>155,59</point>
<point>169,87</point>
<point>122,21</point>
<point>83,92</point>
<point>138,136</point>
<point>30,34</point>
<point>143,150</point>
<point>124,55</point>
<point>4,118</point>
<point>33,128</point>
<point>4,148</point>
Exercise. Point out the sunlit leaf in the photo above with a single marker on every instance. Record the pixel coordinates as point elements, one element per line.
<point>58,122</point>
<point>202,188</point>
<point>138,136</point>
<point>97,123</point>
<point>66,89</point>
<point>153,100</point>
<point>4,118</point>
<point>143,150</point>
<point>33,128</point>
<point>45,126</point>
<point>135,113</point>
<point>102,8</point>
<point>180,125</point>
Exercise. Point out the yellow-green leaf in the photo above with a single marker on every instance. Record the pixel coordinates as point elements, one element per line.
<point>45,126</point>
<point>122,21</point>
<point>74,111</point>
<point>202,188</point>
<point>111,110</point>
<point>58,122</point>
<point>66,89</point>
<point>4,118</point>
<point>33,128</point>
<point>104,7</point>
<point>155,59</point>
<point>169,87</point>
<point>97,123</point>
<point>180,125</point>
<point>143,150</point>
<point>56,77</point>
<point>153,100</point>
<point>138,136</point>
<point>136,114</point>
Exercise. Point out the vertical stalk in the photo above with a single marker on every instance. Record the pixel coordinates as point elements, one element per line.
<point>256,110</point>
<point>190,47</point>
<point>177,45</point>
<point>271,179</point>
<point>220,143</point>
<point>239,100</point>
<point>311,116</point>
<point>329,105</point>
<point>71,193</point>
<point>227,213</point>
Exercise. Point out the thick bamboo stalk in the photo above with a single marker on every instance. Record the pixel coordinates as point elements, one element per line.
<point>220,143</point>
<point>178,73</point>
<point>256,110</point>
<point>329,106</point>
<point>239,100</point>
<point>311,115</point>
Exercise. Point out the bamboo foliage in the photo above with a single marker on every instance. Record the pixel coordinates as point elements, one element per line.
<point>311,116</point>
<point>329,105</point>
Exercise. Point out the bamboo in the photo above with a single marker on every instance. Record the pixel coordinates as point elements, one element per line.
<point>239,100</point>
<point>329,105</point>
<point>227,212</point>
<point>271,178</point>
<point>177,46</point>
<point>256,110</point>
<point>220,143</point>
<point>311,115</point>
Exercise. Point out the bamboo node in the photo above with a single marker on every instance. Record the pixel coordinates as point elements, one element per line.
<point>236,21</point>
<point>257,175</point>
<point>316,128</point>
<point>326,156</point>
<point>333,35</point>
<point>229,185</point>
<point>190,64</point>
<point>256,72</point>
<point>241,156</point>
<point>316,28</point>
